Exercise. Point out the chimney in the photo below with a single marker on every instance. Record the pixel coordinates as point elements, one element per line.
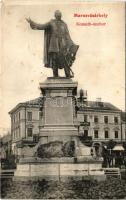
<point>99,102</point>
<point>85,95</point>
<point>98,99</point>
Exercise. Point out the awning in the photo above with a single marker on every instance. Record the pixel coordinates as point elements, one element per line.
<point>118,147</point>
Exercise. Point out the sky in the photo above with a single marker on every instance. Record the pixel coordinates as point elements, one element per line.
<point>99,67</point>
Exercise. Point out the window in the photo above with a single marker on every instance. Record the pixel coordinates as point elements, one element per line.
<point>106,119</point>
<point>95,133</point>
<point>116,134</point>
<point>85,118</point>
<point>85,133</point>
<point>116,120</point>
<point>96,119</point>
<point>40,115</point>
<point>12,119</point>
<point>29,132</point>
<point>19,132</point>
<point>19,116</point>
<point>35,138</point>
<point>29,116</point>
<point>106,134</point>
<point>16,117</point>
<point>16,134</point>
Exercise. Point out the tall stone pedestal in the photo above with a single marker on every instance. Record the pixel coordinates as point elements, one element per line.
<point>59,109</point>
<point>58,123</point>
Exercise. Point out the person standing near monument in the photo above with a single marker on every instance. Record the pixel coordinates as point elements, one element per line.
<point>59,49</point>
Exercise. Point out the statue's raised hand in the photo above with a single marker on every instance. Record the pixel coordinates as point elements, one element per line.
<point>32,24</point>
<point>28,20</point>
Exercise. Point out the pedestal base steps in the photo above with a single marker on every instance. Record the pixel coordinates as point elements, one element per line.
<point>59,171</point>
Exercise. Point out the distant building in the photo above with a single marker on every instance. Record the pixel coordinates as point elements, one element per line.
<point>97,120</point>
<point>5,146</point>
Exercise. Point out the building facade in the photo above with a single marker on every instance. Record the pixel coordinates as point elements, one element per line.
<point>25,123</point>
<point>97,120</point>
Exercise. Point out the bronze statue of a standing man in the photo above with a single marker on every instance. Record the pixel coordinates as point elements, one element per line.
<point>59,49</point>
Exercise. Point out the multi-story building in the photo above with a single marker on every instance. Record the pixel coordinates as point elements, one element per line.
<point>97,120</point>
<point>25,124</point>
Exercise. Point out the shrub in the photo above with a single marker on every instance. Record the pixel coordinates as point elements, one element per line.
<point>51,149</point>
<point>69,148</point>
<point>56,149</point>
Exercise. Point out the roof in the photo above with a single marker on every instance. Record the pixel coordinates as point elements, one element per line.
<point>36,103</point>
<point>33,102</point>
<point>87,105</point>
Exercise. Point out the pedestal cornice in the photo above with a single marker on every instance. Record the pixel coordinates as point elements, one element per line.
<point>57,83</point>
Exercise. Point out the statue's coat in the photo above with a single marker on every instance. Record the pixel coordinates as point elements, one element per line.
<point>56,39</point>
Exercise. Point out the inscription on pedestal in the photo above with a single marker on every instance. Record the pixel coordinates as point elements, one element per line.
<point>58,111</point>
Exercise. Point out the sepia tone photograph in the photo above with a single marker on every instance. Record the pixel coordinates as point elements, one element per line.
<point>62,99</point>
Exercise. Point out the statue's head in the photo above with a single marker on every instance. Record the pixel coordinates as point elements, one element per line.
<point>58,14</point>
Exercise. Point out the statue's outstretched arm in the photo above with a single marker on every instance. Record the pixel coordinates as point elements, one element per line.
<point>36,26</point>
